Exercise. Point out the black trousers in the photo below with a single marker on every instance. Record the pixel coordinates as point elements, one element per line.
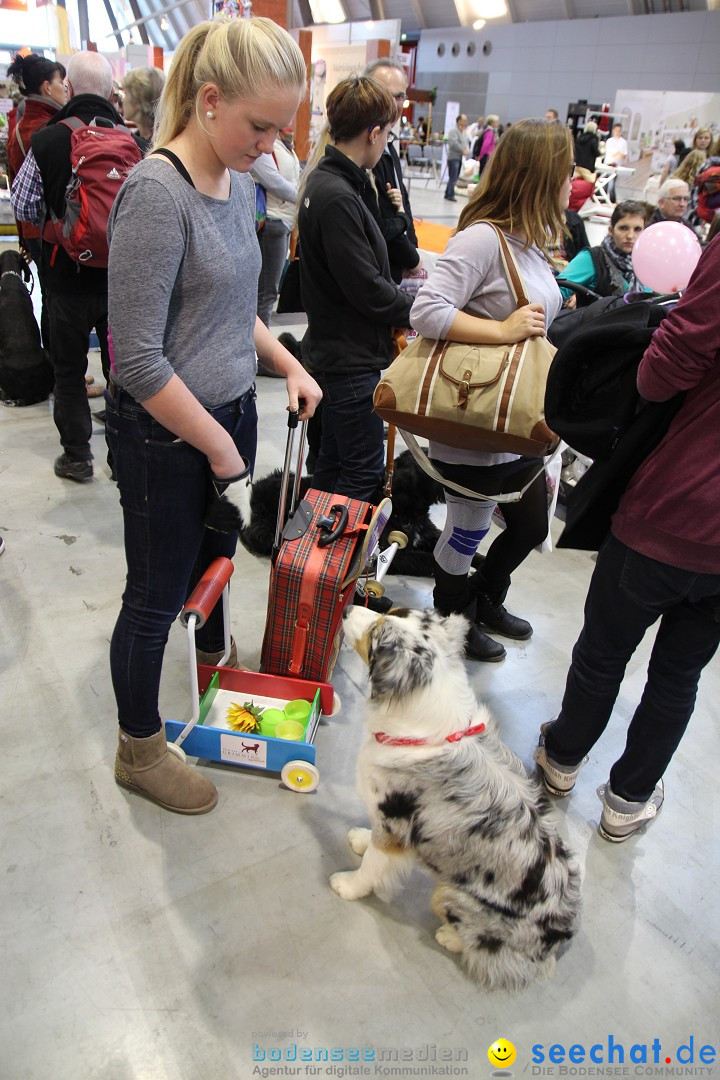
<point>72,318</point>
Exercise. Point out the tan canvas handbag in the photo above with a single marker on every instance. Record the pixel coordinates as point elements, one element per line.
<point>473,397</point>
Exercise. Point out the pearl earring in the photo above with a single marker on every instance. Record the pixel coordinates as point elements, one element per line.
<point>210,114</point>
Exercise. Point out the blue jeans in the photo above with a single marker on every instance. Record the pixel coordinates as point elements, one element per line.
<point>453,168</point>
<point>164,485</point>
<point>351,459</point>
<point>628,593</point>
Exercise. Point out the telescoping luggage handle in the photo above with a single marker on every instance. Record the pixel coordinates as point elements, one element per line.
<point>293,419</point>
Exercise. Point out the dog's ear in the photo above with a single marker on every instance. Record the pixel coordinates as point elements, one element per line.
<point>397,664</point>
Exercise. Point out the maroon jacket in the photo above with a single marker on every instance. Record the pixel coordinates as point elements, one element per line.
<point>671,508</point>
<point>37,110</point>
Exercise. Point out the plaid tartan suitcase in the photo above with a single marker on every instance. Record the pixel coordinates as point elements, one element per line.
<point>314,553</point>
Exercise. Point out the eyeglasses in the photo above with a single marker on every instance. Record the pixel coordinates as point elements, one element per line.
<point>391,137</point>
<point>572,169</point>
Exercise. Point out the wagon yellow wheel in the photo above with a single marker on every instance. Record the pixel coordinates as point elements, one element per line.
<point>177,751</point>
<point>374,588</point>
<point>300,776</point>
<point>398,538</point>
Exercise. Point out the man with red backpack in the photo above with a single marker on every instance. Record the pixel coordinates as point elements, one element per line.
<point>68,183</point>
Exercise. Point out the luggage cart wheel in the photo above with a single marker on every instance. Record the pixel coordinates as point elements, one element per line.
<point>336,705</point>
<point>398,538</point>
<point>178,751</point>
<point>300,776</point>
<point>374,588</point>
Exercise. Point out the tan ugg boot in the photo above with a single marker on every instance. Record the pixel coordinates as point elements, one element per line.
<point>145,767</point>
<point>213,658</point>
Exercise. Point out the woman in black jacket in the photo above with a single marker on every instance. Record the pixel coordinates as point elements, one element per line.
<point>587,147</point>
<point>351,301</point>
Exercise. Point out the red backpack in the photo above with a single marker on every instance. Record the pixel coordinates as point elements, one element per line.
<point>101,156</point>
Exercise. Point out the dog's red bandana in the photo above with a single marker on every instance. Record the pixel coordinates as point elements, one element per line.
<point>388,740</point>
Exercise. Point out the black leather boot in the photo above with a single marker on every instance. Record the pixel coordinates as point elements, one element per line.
<point>451,595</point>
<point>490,611</point>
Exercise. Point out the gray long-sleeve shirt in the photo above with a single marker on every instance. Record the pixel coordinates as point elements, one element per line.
<point>182,285</point>
<point>457,143</point>
<point>470,277</point>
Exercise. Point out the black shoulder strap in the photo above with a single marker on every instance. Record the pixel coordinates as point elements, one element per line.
<point>176,162</point>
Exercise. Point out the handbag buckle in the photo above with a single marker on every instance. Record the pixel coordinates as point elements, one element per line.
<point>464,389</point>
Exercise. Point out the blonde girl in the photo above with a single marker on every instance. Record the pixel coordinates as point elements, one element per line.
<point>183,273</point>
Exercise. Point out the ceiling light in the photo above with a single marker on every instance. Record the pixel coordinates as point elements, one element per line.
<point>327,11</point>
<point>490,9</point>
<point>164,24</point>
<point>406,103</point>
<point>478,24</point>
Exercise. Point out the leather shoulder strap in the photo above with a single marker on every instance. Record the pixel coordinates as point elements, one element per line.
<point>512,272</point>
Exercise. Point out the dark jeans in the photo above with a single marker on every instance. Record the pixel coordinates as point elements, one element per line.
<point>453,168</point>
<point>163,486</point>
<point>273,238</point>
<point>71,320</point>
<point>628,593</point>
<point>351,460</point>
<point>526,521</point>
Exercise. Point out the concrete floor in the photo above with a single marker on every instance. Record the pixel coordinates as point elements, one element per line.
<point>141,945</point>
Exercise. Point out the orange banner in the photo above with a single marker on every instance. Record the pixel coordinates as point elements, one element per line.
<point>13,5</point>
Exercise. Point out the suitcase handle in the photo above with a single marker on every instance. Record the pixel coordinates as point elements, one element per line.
<point>293,418</point>
<point>332,530</point>
<point>207,592</point>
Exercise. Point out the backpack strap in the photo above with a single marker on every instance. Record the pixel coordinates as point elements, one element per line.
<point>175,160</point>
<point>512,272</point>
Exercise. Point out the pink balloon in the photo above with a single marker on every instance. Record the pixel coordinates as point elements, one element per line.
<point>665,256</point>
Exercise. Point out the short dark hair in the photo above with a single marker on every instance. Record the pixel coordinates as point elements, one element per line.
<point>629,208</point>
<point>31,71</point>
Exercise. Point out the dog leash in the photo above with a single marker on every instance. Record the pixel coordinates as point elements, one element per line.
<point>388,740</point>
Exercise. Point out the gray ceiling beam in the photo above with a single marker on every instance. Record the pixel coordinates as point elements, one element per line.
<point>142,29</point>
<point>305,13</point>
<point>377,10</point>
<point>141,20</point>
<point>419,14</point>
<point>512,9</point>
<point>170,43</point>
<point>113,22</point>
<point>569,9</point>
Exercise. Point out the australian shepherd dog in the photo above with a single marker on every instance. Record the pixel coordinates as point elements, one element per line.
<point>442,789</point>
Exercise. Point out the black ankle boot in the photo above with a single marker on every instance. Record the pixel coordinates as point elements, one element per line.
<point>490,611</point>
<point>451,595</point>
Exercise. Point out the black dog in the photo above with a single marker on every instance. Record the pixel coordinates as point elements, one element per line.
<point>414,492</point>
<point>26,375</point>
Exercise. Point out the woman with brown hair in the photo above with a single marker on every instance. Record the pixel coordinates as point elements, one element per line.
<point>351,301</point>
<point>467,298</point>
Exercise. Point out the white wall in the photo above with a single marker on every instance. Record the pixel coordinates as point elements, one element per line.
<point>540,65</point>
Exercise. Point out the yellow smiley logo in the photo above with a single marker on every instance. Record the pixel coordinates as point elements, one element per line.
<point>502,1054</point>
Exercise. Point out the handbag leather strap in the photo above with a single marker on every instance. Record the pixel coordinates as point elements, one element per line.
<point>504,497</point>
<point>511,269</point>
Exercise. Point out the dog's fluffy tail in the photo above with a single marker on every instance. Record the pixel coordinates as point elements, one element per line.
<point>504,948</point>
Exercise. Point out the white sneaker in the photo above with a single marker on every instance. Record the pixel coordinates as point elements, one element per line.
<point>620,818</point>
<point>558,779</point>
